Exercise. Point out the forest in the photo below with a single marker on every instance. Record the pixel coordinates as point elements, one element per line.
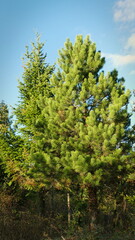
<point>67,156</point>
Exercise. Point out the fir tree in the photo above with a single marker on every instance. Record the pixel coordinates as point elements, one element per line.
<point>35,89</point>
<point>35,83</point>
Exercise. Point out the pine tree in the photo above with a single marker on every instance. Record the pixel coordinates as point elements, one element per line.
<point>87,131</point>
<point>77,122</point>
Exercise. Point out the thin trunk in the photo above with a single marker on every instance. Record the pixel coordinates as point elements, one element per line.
<point>52,202</point>
<point>92,206</point>
<point>42,202</point>
<point>69,209</point>
<point>124,204</point>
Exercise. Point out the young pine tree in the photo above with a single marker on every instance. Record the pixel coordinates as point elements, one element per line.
<point>86,140</point>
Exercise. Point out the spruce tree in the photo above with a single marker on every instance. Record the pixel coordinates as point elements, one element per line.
<point>34,89</point>
<point>35,83</point>
<point>10,150</point>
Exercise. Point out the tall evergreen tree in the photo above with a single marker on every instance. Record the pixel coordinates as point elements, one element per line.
<point>76,120</point>
<point>35,89</point>
<point>35,83</point>
<point>86,139</point>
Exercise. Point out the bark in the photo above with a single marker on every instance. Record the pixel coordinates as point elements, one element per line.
<point>92,207</point>
<point>42,202</point>
<point>52,203</point>
<point>69,210</point>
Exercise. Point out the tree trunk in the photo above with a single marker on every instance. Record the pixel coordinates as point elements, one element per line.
<point>42,203</point>
<point>92,206</point>
<point>52,203</point>
<point>69,210</point>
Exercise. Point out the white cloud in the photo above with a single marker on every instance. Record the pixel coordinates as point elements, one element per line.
<point>120,60</point>
<point>132,72</point>
<point>124,10</point>
<point>131,42</point>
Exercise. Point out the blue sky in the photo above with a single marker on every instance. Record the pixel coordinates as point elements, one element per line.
<point>111,24</point>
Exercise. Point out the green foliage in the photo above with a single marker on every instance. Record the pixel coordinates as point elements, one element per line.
<point>87,122</point>
<point>10,150</point>
<point>75,137</point>
<point>35,83</point>
<point>34,90</point>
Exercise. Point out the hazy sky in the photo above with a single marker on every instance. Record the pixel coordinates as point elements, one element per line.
<point>110,23</point>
